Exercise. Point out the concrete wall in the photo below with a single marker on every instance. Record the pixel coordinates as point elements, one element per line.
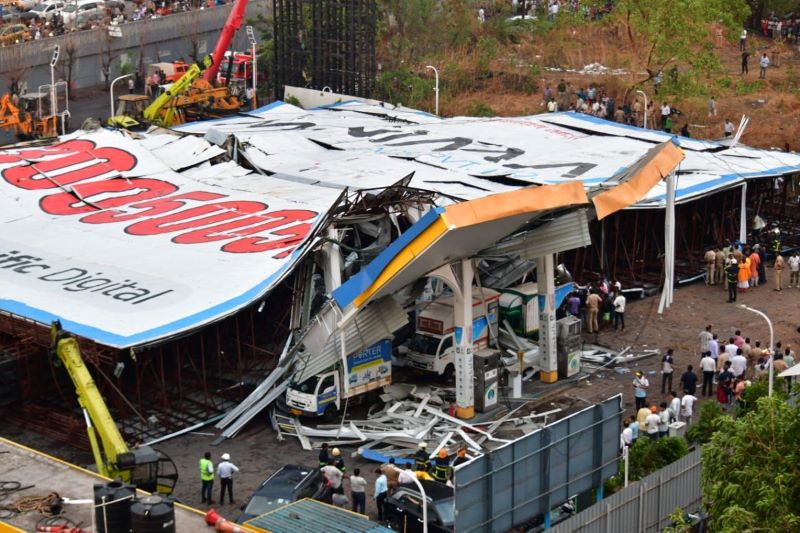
<point>161,39</point>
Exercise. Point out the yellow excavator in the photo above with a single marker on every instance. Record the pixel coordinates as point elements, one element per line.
<point>27,124</point>
<point>170,107</point>
<point>147,468</point>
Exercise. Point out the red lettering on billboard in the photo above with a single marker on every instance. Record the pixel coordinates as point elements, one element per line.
<point>196,217</point>
<point>150,208</point>
<point>244,226</point>
<point>250,245</point>
<point>146,203</point>
<point>45,175</point>
<point>26,154</point>
<point>81,201</point>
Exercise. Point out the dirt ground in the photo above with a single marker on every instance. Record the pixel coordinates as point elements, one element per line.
<point>258,453</point>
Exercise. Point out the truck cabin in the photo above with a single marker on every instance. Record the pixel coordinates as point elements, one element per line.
<point>322,387</point>
<point>436,323</point>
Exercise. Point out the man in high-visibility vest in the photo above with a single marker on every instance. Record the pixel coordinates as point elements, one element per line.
<point>206,477</point>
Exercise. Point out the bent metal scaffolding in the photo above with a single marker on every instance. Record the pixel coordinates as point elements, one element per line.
<point>167,386</point>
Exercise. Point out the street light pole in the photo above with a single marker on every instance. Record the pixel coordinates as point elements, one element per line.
<point>771,345</point>
<point>644,123</point>
<point>251,36</point>
<point>436,87</point>
<point>53,95</point>
<point>424,505</point>
<point>111,96</point>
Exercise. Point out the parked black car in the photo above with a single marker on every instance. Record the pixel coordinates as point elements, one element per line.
<point>289,484</point>
<point>402,511</point>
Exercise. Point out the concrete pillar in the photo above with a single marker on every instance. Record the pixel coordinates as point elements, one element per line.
<point>333,268</point>
<point>743,216</point>
<point>545,274</point>
<point>465,389</point>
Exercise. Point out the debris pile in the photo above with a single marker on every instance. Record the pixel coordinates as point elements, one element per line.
<point>412,414</point>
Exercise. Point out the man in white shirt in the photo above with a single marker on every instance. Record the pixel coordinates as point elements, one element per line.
<point>708,366</point>
<point>674,405</point>
<point>651,423</point>
<point>619,310</point>
<point>334,477</point>
<point>794,271</point>
<point>666,111</point>
<point>666,371</point>
<point>705,338</point>
<point>743,41</point>
<point>687,408</point>
<point>358,489</point>
<point>731,347</point>
<point>663,420</point>
<point>763,63</point>
<point>625,438</point>
<point>225,471</point>
<point>728,128</point>
<point>739,364</point>
<point>406,476</point>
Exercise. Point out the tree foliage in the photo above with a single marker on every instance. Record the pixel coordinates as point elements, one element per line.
<point>751,470</point>
<point>710,417</point>
<point>660,33</point>
<point>647,456</point>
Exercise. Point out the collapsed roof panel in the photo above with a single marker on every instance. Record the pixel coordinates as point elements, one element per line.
<point>100,233</point>
<point>468,157</point>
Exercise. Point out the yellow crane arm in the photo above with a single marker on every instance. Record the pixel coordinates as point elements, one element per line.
<point>98,418</point>
<point>153,112</point>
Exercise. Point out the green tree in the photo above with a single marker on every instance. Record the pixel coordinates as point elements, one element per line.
<point>661,33</point>
<point>751,470</point>
<point>711,414</point>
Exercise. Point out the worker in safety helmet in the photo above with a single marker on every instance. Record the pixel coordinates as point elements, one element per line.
<point>461,456</point>
<point>440,470</point>
<point>421,458</point>
<point>338,462</point>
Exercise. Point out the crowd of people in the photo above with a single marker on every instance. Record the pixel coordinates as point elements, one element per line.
<point>740,268</point>
<point>597,305</point>
<point>787,27</point>
<point>724,370</point>
<point>334,471</point>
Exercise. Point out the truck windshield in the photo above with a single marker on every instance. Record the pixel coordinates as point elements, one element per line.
<point>308,386</point>
<point>424,344</point>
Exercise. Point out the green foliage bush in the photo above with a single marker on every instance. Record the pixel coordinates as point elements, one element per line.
<point>707,423</point>
<point>403,86</point>
<point>480,109</point>
<point>647,456</point>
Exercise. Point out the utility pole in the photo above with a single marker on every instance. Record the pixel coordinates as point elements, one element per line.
<point>251,36</point>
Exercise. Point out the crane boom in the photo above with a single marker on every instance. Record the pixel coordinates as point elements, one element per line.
<point>233,23</point>
<point>153,112</point>
<point>147,468</point>
<point>98,417</point>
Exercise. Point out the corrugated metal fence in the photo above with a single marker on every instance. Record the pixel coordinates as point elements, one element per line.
<point>529,476</point>
<point>645,505</point>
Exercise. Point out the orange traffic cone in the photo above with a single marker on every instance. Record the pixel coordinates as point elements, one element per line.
<point>225,526</point>
<point>213,517</point>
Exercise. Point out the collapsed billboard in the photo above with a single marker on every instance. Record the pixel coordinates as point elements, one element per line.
<point>101,232</point>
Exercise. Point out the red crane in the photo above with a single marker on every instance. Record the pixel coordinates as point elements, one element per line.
<point>234,22</point>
